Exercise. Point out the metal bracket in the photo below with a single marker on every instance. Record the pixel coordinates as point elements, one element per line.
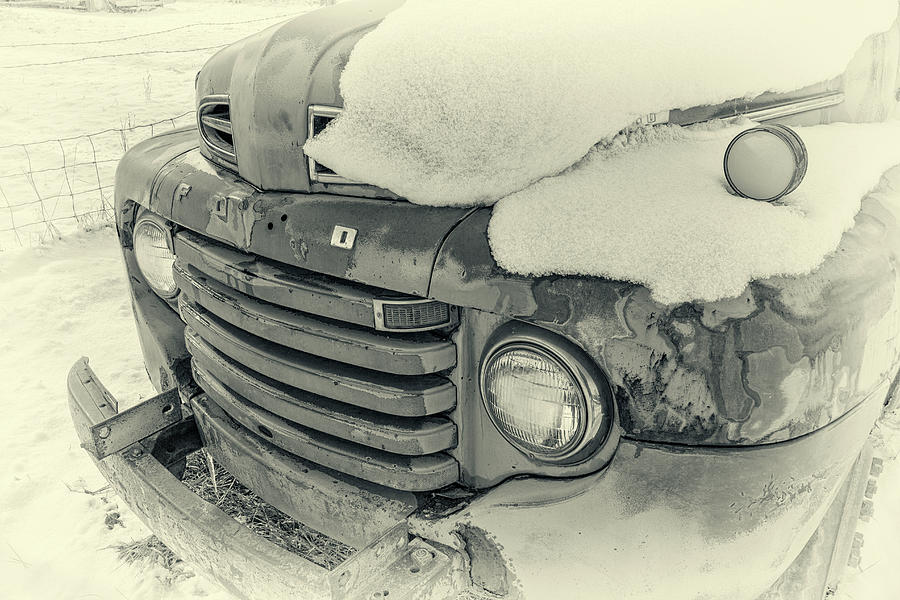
<point>134,424</point>
<point>392,567</point>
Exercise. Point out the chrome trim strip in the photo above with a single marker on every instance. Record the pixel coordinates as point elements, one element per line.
<point>796,107</point>
<point>208,101</point>
<point>217,123</point>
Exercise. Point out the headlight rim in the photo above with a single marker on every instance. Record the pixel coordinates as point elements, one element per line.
<point>598,406</point>
<point>154,220</point>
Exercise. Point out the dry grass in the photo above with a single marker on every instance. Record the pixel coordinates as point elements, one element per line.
<point>219,487</point>
<point>150,552</point>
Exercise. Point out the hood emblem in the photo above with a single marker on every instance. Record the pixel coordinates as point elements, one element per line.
<point>343,237</point>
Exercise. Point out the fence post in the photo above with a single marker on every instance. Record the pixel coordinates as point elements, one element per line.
<point>98,5</point>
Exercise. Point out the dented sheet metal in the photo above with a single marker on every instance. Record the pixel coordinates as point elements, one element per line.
<point>396,241</point>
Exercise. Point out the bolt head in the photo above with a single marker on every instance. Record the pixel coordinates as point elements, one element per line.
<point>421,556</point>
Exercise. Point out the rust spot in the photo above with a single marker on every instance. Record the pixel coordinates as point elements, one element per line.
<point>487,567</point>
<point>301,250</point>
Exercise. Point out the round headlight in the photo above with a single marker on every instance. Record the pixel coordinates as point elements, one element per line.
<point>154,258</point>
<point>543,406</point>
<point>765,163</point>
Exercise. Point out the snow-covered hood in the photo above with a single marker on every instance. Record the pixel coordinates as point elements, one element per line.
<point>273,76</point>
<point>466,103</point>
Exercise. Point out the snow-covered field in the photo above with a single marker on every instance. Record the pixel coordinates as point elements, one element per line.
<point>59,524</point>
<point>146,77</point>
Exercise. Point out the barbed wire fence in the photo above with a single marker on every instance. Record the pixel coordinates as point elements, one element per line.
<point>53,187</point>
<point>56,186</point>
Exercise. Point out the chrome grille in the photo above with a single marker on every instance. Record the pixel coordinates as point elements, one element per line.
<point>214,123</point>
<point>294,358</point>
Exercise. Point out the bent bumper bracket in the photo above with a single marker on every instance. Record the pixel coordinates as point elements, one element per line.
<point>130,426</point>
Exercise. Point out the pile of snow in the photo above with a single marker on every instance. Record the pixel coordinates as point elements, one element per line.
<point>460,103</point>
<point>676,228</point>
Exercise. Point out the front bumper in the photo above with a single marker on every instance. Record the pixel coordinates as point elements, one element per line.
<point>246,564</point>
<point>711,523</point>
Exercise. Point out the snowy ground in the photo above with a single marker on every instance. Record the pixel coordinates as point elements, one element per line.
<point>58,523</point>
<point>58,303</point>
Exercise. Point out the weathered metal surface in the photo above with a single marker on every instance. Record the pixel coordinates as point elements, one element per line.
<point>699,519</point>
<point>392,394</point>
<point>357,571</point>
<point>421,570</point>
<point>787,357</point>
<point>401,472</point>
<point>306,56</point>
<point>819,566</point>
<point>246,564</point>
<point>350,510</point>
<point>486,458</point>
<point>305,291</point>
<point>89,401</point>
<point>138,172</point>
<point>411,355</point>
<point>134,424</point>
<point>402,435</point>
<point>395,246</point>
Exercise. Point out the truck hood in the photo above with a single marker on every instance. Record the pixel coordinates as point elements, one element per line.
<point>273,76</point>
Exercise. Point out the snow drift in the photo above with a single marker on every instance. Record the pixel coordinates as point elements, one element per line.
<point>463,103</point>
<point>677,229</point>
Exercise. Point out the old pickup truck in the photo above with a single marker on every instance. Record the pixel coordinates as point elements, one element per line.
<point>362,364</point>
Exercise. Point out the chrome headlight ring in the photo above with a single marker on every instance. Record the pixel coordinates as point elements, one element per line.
<point>596,408</point>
